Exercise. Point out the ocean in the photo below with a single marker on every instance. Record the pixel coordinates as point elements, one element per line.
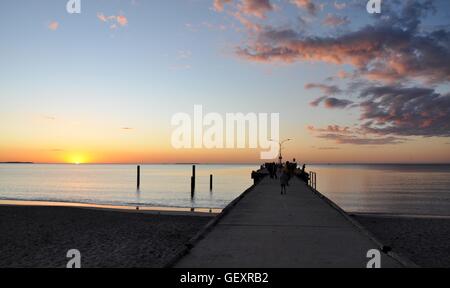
<point>375,188</point>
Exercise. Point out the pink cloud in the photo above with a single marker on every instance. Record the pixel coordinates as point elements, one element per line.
<point>308,5</point>
<point>53,26</point>
<point>116,21</point>
<point>257,8</point>
<point>334,20</point>
<point>391,50</point>
<point>122,20</point>
<point>219,4</point>
<point>377,52</point>
<point>249,25</point>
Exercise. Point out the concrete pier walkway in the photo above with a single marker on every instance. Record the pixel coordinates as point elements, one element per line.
<point>266,229</point>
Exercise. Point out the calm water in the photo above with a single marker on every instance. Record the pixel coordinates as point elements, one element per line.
<point>396,189</point>
<point>161,185</point>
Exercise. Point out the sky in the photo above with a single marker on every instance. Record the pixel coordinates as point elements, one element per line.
<point>102,86</point>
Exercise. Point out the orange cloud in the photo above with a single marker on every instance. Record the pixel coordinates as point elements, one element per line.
<point>122,20</point>
<point>116,20</point>
<point>53,26</point>
<point>219,4</point>
<point>257,8</point>
<point>308,5</point>
<point>334,20</point>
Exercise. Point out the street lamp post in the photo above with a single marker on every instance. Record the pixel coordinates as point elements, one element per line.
<point>280,158</point>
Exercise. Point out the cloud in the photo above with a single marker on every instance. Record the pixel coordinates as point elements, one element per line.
<point>379,53</point>
<point>218,5</point>
<point>56,150</point>
<point>249,25</point>
<point>339,6</point>
<point>326,89</point>
<point>114,20</point>
<point>317,101</point>
<point>355,140</point>
<point>393,63</point>
<point>53,26</point>
<point>345,135</point>
<point>257,8</point>
<point>391,50</point>
<point>330,129</point>
<point>411,111</point>
<point>395,110</point>
<point>308,5</point>
<point>331,102</point>
<point>102,17</point>
<point>328,148</point>
<point>334,20</point>
<point>122,20</point>
<point>343,74</point>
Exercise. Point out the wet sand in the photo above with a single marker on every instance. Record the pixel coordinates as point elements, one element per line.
<point>425,241</point>
<point>41,236</point>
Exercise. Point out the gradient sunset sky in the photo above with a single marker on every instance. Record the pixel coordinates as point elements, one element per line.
<point>102,86</point>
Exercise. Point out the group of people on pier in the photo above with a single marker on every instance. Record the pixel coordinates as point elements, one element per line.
<point>286,172</point>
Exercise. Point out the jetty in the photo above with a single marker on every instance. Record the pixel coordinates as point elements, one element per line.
<point>264,229</point>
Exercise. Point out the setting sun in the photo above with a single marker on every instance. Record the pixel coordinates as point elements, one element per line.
<point>77,159</point>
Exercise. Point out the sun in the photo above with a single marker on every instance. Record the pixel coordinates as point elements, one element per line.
<point>77,159</point>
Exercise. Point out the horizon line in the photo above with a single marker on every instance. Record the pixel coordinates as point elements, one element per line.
<point>223,163</point>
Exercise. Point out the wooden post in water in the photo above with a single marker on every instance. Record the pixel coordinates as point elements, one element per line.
<point>192,187</point>
<point>193,176</point>
<point>138,176</point>
<point>210,182</point>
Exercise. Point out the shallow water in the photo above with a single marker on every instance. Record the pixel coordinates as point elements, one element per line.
<point>161,185</point>
<point>391,189</point>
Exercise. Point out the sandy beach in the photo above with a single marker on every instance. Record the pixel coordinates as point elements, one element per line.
<point>41,236</point>
<point>36,236</point>
<point>423,240</point>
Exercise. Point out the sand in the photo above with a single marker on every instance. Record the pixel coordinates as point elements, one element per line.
<point>41,236</point>
<point>425,241</point>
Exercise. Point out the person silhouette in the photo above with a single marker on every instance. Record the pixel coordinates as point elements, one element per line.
<point>284,181</point>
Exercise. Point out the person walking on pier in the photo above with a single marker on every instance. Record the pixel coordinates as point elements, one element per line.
<point>284,181</point>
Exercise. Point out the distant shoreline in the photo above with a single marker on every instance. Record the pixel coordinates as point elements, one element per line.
<point>17,162</point>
